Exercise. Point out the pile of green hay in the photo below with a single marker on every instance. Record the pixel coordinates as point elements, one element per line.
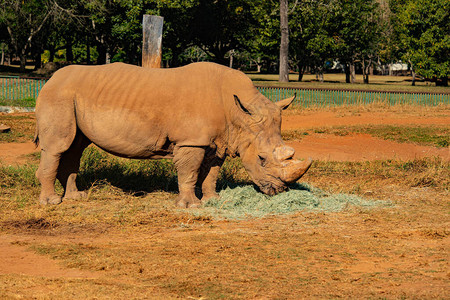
<point>245,201</point>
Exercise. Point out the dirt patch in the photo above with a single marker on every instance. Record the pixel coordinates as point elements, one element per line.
<point>361,147</point>
<point>15,259</point>
<point>16,153</point>
<point>321,119</point>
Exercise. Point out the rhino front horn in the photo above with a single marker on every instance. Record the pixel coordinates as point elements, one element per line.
<point>294,170</point>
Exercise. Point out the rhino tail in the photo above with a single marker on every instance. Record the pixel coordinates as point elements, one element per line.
<point>36,137</point>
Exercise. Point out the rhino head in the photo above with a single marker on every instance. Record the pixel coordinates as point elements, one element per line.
<point>268,161</point>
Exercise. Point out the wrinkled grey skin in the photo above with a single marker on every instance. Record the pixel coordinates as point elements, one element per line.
<point>197,115</point>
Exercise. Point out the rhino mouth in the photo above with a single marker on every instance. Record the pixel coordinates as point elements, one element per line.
<point>289,172</point>
<point>271,188</point>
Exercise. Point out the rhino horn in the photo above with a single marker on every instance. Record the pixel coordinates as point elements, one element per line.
<point>293,170</point>
<point>283,153</point>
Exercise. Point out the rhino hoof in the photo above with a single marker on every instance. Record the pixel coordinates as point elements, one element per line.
<point>206,197</point>
<point>53,199</point>
<point>75,195</point>
<point>188,202</point>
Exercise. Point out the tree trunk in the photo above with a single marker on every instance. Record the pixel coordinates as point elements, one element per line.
<point>301,70</point>
<point>352,72</point>
<point>52,55</point>
<point>23,60</point>
<point>2,61</point>
<point>442,81</point>
<point>347,73</point>
<point>37,61</point>
<point>366,78</point>
<point>88,53</point>
<point>258,65</point>
<point>231,59</point>
<point>101,59</point>
<point>69,51</point>
<point>284,46</point>
<point>364,70</point>
<point>320,75</point>
<point>413,73</point>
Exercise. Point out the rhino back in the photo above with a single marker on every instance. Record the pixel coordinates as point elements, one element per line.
<point>133,111</point>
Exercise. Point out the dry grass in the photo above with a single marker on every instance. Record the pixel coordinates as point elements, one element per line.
<point>135,246</point>
<point>22,127</point>
<point>142,245</point>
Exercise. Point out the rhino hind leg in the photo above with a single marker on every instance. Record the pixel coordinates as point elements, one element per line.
<point>56,131</point>
<point>46,174</point>
<point>188,161</point>
<point>69,166</point>
<point>209,173</point>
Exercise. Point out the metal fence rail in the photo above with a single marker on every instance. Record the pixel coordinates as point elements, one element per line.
<point>325,97</point>
<point>16,88</point>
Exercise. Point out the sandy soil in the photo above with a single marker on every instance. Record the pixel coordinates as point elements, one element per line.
<point>328,119</point>
<point>16,153</point>
<point>392,253</point>
<point>15,259</point>
<point>361,147</point>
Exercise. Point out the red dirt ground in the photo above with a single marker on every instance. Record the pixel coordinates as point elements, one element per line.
<point>334,230</point>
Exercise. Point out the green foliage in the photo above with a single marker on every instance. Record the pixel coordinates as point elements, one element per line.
<point>321,32</point>
<point>312,29</point>
<point>27,102</point>
<point>423,31</point>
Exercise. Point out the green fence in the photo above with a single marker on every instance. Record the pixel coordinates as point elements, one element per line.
<point>324,97</point>
<point>14,88</point>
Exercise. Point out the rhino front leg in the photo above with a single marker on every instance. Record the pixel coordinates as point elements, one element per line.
<point>187,162</point>
<point>209,174</point>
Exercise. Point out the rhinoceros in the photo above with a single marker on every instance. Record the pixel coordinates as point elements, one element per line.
<point>197,115</point>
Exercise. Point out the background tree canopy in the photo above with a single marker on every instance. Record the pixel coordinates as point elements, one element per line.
<point>343,35</point>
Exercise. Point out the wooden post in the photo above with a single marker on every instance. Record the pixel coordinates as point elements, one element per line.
<point>152,39</point>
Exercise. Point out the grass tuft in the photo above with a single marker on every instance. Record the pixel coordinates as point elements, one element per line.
<point>26,102</point>
<point>132,176</point>
<point>246,201</point>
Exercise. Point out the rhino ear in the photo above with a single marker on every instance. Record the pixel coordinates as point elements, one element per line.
<point>283,104</point>
<point>240,106</point>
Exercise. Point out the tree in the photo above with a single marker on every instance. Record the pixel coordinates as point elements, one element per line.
<point>220,26</point>
<point>284,44</point>
<point>263,46</point>
<point>24,20</point>
<point>422,28</point>
<point>313,42</point>
<point>358,35</point>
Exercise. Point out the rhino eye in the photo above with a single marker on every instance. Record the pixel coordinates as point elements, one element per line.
<point>262,161</point>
